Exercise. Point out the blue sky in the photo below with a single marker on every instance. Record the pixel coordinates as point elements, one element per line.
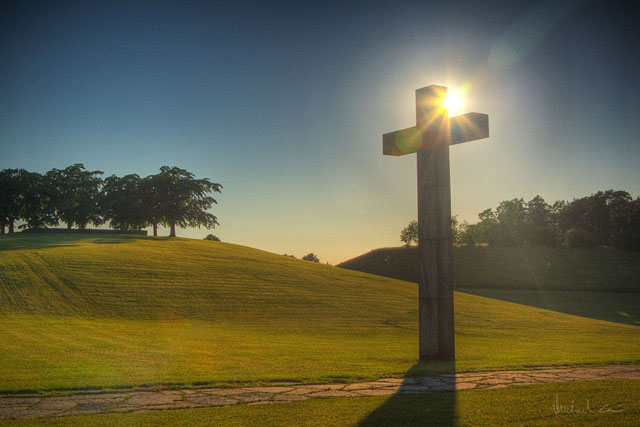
<point>285,104</point>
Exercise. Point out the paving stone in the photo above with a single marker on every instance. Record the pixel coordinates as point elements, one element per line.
<point>494,381</point>
<point>630,375</point>
<point>211,400</point>
<point>105,396</point>
<point>143,398</point>
<point>308,389</point>
<point>394,389</point>
<point>253,397</point>
<point>469,378</point>
<point>11,401</point>
<point>11,411</point>
<point>227,391</point>
<point>431,382</point>
<point>397,380</point>
<point>55,404</point>
<point>358,386</point>
<point>93,405</point>
<point>269,389</point>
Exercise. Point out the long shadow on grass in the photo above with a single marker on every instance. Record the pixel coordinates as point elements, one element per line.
<point>610,306</point>
<point>412,406</point>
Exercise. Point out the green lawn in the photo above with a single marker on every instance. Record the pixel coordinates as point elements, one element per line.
<point>595,403</point>
<point>117,311</point>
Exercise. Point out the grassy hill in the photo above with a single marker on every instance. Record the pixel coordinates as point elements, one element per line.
<point>525,267</point>
<point>87,311</point>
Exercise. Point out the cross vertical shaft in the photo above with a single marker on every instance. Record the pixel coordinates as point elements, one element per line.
<point>434,229</point>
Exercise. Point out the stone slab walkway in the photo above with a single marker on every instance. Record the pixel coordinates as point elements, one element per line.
<point>23,406</point>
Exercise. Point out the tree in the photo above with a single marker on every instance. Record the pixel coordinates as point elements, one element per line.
<point>510,215</point>
<point>409,234</point>
<point>10,193</point>
<point>36,207</point>
<point>212,238</point>
<point>311,257</point>
<point>184,200</point>
<point>121,202</point>
<point>538,212</point>
<point>75,195</point>
<point>606,215</point>
<point>456,229</point>
<point>152,201</point>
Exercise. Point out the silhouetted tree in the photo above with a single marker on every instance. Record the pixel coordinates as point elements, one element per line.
<point>212,238</point>
<point>606,215</point>
<point>152,197</point>
<point>10,193</point>
<point>75,193</point>
<point>537,212</point>
<point>122,202</point>
<point>311,257</point>
<point>409,234</point>
<point>37,209</point>
<point>184,200</point>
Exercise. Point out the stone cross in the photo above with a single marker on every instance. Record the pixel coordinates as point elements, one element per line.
<point>430,138</point>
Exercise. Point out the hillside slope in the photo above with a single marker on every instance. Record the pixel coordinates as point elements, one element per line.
<point>527,267</point>
<point>152,278</point>
<point>116,311</point>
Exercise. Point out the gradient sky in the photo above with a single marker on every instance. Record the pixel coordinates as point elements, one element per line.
<point>285,104</point>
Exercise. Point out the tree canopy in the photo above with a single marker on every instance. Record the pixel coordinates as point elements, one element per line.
<point>78,197</point>
<point>605,218</point>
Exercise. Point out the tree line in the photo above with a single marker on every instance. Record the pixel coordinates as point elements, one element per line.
<point>79,197</point>
<point>606,218</point>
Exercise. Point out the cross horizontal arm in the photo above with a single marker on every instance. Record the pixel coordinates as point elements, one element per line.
<point>468,127</point>
<point>401,142</point>
<point>456,130</point>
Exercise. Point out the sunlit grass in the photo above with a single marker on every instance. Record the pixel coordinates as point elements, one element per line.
<point>128,311</point>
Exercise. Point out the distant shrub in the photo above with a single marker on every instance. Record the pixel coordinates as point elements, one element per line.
<point>577,238</point>
<point>311,257</point>
<point>212,237</point>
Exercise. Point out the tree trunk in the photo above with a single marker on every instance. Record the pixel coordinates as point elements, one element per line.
<point>173,230</point>
<point>69,226</point>
<point>11,227</point>
<point>2,228</point>
<point>155,229</point>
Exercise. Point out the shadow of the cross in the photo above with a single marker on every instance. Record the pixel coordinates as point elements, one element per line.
<point>422,400</point>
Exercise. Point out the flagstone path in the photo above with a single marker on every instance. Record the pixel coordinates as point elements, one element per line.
<point>15,406</point>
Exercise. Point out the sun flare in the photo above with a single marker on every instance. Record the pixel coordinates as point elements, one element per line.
<point>452,102</point>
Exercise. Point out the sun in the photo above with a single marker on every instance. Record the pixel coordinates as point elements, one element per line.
<point>452,102</point>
